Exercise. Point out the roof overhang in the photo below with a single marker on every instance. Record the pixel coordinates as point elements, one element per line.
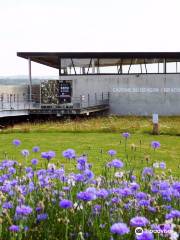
<point>102,59</point>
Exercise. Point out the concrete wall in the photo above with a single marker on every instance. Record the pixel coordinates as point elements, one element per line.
<point>129,94</point>
<point>133,94</point>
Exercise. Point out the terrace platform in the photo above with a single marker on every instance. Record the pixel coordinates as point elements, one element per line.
<point>78,106</point>
<point>13,113</point>
<point>70,111</point>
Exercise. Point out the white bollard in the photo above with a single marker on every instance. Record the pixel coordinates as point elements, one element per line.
<point>155,120</point>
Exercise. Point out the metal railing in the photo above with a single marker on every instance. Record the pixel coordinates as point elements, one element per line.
<point>22,102</point>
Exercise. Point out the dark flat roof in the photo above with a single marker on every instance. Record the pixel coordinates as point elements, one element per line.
<point>51,59</point>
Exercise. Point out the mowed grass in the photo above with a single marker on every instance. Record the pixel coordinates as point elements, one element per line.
<point>93,144</point>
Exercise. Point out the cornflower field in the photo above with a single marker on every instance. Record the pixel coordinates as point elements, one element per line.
<point>43,198</point>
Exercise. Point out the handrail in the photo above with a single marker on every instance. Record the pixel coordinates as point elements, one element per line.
<point>21,102</point>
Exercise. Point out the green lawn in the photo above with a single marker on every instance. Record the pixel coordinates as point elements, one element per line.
<point>96,145</point>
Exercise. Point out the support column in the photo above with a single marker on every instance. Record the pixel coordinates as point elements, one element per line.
<point>164,66</point>
<point>145,65</point>
<point>93,66</point>
<point>59,63</point>
<point>130,66</point>
<point>141,68</point>
<point>98,70</point>
<point>30,81</point>
<point>120,71</point>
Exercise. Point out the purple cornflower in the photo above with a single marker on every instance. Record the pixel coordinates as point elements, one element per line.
<point>16,142</point>
<point>144,203</point>
<point>7,205</point>
<point>23,210</point>
<point>25,152</point>
<point>12,170</point>
<point>115,200</point>
<point>125,192</point>
<point>165,227</point>
<point>119,228</point>
<point>164,185</point>
<point>31,186</point>
<point>145,236</point>
<point>69,153</point>
<point>128,205</point>
<point>81,167</point>
<point>162,165</point>
<point>152,209</point>
<point>14,228</point>
<point>82,163</point>
<point>36,149</point>
<point>39,209</point>
<point>14,182</point>
<point>79,177</point>
<point>89,174</point>
<point>42,217</point>
<point>86,196</point>
<point>7,163</point>
<point>133,177</point>
<point>168,207</point>
<point>116,163</point>
<point>91,190</point>
<point>26,228</point>
<point>155,144</point>
<point>139,221</point>
<point>97,209</point>
<point>134,186</point>
<point>166,194</point>
<point>162,227</point>
<point>48,155</point>
<point>154,188</point>
<point>112,152</point>
<point>34,161</point>
<point>147,171</point>
<point>176,186</point>
<point>82,160</point>
<point>126,135</point>
<point>102,193</point>
<point>173,214</point>
<point>66,188</point>
<point>65,203</point>
<point>28,169</point>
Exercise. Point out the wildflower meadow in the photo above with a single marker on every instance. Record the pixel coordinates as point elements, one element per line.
<point>41,199</point>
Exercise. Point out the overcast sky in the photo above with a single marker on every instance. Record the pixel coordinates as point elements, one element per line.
<point>84,25</point>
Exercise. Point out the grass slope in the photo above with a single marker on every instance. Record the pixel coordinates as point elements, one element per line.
<point>96,145</point>
<point>143,125</point>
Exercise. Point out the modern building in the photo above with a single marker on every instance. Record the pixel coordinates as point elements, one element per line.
<point>125,83</point>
